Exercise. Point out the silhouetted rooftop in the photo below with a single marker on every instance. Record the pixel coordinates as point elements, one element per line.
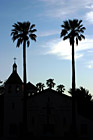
<point>30,86</point>
<point>52,91</point>
<point>14,79</point>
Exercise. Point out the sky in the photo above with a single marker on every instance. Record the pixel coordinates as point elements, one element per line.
<point>49,56</point>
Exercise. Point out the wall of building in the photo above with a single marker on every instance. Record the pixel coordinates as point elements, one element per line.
<point>13,110</point>
<point>49,110</point>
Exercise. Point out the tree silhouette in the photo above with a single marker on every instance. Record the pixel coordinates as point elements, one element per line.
<point>40,86</point>
<point>43,86</point>
<point>50,83</point>
<point>84,101</point>
<point>22,32</point>
<point>72,30</point>
<point>82,95</point>
<point>61,88</point>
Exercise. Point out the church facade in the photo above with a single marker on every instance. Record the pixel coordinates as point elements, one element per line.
<point>49,114</point>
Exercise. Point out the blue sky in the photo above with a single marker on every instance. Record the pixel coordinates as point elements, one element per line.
<point>49,57</point>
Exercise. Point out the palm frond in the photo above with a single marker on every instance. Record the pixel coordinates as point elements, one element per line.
<point>63,33</point>
<point>76,41</point>
<point>32,26</point>
<point>65,25</point>
<point>19,24</point>
<point>16,36</point>
<point>79,38</point>
<point>33,37</point>
<point>28,43</point>
<point>32,31</point>
<point>19,42</point>
<point>14,33</point>
<point>80,22</point>
<point>82,36</point>
<point>65,37</point>
<point>71,24</point>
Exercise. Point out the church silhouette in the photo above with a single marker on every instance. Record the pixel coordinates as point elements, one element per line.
<point>49,114</point>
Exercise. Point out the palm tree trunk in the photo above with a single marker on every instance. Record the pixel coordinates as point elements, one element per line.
<point>25,94</point>
<point>73,92</point>
<point>24,62</point>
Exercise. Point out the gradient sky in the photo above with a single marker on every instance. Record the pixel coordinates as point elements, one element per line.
<point>49,57</point>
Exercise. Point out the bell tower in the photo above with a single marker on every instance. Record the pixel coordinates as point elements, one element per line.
<point>14,66</point>
<point>13,105</point>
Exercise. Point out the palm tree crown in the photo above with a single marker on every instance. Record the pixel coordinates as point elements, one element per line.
<point>23,31</point>
<point>61,88</point>
<point>50,83</point>
<point>73,28</point>
<point>81,94</point>
<point>40,86</point>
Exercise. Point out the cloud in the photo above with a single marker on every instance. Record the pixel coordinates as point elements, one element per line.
<point>52,2</point>
<point>90,65</point>
<point>64,9</point>
<point>89,17</point>
<point>63,50</point>
<point>89,6</point>
<point>48,33</point>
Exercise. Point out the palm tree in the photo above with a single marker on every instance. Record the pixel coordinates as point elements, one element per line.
<point>50,83</point>
<point>61,88</point>
<point>84,101</point>
<point>40,86</point>
<point>73,30</point>
<point>81,95</point>
<point>22,32</point>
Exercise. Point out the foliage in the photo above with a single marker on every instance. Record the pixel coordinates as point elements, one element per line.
<point>23,31</point>
<point>50,83</point>
<point>40,86</point>
<point>61,88</point>
<point>72,28</point>
<point>81,94</point>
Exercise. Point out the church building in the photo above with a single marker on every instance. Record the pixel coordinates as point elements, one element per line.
<point>49,114</point>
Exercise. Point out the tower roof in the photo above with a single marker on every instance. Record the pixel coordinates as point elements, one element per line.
<point>14,77</point>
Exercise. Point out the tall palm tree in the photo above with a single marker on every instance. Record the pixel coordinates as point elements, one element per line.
<point>22,32</point>
<point>61,88</point>
<point>50,83</point>
<point>73,30</point>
